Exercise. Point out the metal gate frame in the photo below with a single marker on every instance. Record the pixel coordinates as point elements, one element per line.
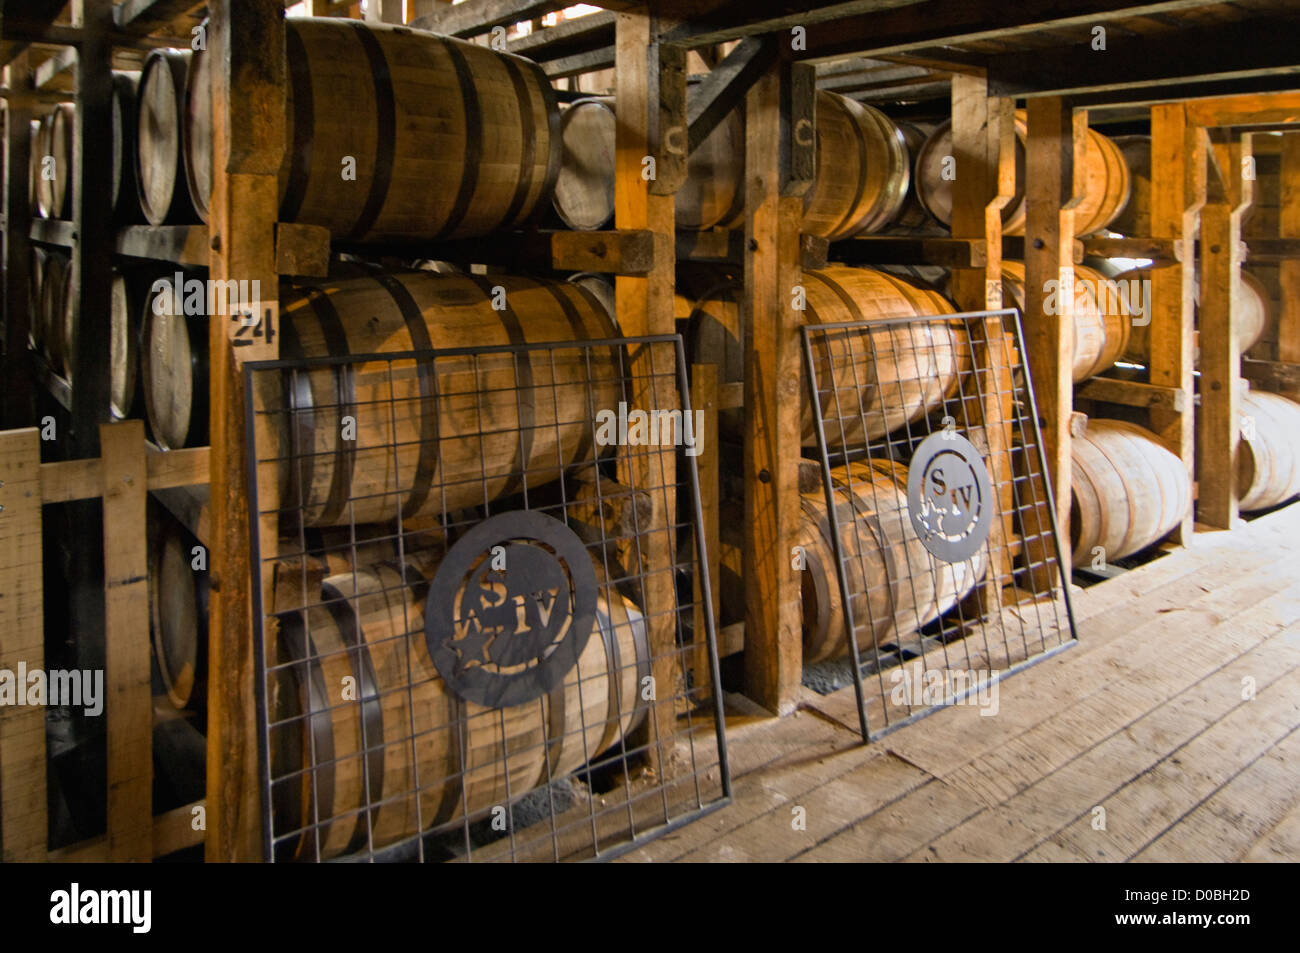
<point>429,357</point>
<point>968,318</point>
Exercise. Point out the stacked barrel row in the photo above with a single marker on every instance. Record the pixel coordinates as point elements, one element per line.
<point>1270,433</point>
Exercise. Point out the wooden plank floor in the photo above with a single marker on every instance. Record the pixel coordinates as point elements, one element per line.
<point>1169,733</point>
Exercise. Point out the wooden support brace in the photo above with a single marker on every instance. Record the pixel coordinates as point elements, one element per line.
<point>725,86</point>
<point>129,704</point>
<point>1218,430</point>
<point>23,821</point>
<point>1178,188</point>
<point>773,398</point>
<point>1134,394</point>
<point>1055,140</point>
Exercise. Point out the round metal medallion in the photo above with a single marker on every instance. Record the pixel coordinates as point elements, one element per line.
<point>949,496</point>
<point>505,625</point>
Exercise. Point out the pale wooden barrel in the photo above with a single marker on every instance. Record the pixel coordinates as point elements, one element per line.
<point>56,289</point>
<point>1129,490</point>
<point>896,373</point>
<point>584,189</point>
<point>895,584</point>
<point>450,139</point>
<point>124,319</point>
<point>1254,312</point>
<point>713,195</point>
<point>34,168</point>
<point>912,217</point>
<point>54,141</point>
<point>175,616</point>
<point>1102,329</point>
<point>1105,180</point>
<point>160,141</point>
<point>600,287</point>
<point>174,371</point>
<point>1134,219</point>
<point>1268,461</point>
<point>438,460</point>
<point>862,169</point>
<point>125,124</point>
<point>35,315</point>
<point>466,759</point>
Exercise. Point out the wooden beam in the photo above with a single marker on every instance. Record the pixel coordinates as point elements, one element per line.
<point>475,17</point>
<point>150,16</point>
<point>1055,137</point>
<point>1271,249</point>
<point>1161,251</point>
<point>579,35</point>
<point>580,63</point>
<point>1219,51</point>
<point>939,23</point>
<point>61,62</point>
<point>905,250</point>
<point>1177,194</point>
<point>1277,376</point>
<point>68,480</point>
<point>23,822</point>
<point>172,831</point>
<point>20,19</point>
<point>1288,272</point>
<point>1112,390</point>
<point>246,41</point>
<point>1218,430</point>
<point>644,306</point>
<point>722,89</point>
<point>728,246</point>
<point>89,178</point>
<point>773,400</point>
<point>1255,108</point>
<point>18,403</point>
<point>1191,91</point>
<point>127,685</point>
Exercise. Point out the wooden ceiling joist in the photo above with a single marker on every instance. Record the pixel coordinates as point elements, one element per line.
<point>149,16</point>
<point>722,88</point>
<point>569,38</point>
<point>1237,50</point>
<point>476,17</point>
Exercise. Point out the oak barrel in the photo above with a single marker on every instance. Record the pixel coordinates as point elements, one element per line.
<point>894,374</point>
<point>713,195</point>
<point>912,217</point>
<point>447,139</point>
<point>53,178</point>
<point>160,138</point>
<point>467,759</point>
<point>536,419</point>
<point>126,304</point>
<point>125,123</point>
<point>584,189</point>
<point>895,584</point>
<point>1268,461</point>
<point>1104,180</point>
<point>56,292</point>
<point>1102,326</point>
<point>174,367</point>
<point>862,169</point>
<point>35,314</point>
<point>1253,307</point>
<point>600,287</point>
<point>1134,219</point>
<point>176,618</point>
<point>1129,490</point>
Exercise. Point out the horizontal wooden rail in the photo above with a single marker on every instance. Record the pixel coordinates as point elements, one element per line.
<point>172,831</point>
<point>84,479</point>
<point>1133,394</point>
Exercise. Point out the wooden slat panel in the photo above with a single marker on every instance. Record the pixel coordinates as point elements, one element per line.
<point>129,705</point>
<point>22,622</point>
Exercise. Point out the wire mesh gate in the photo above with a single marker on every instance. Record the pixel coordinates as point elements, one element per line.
<point>933,512</point>
<point>478,627</point>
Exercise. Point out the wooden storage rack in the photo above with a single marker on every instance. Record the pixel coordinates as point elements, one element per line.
<point>922,49</point>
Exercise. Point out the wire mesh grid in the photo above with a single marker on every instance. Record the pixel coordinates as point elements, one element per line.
<point>475,639</point>
<point>933,511</point>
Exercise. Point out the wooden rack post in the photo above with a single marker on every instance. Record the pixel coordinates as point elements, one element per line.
<point>1177,194</point>
<point>645,306</point>
<point>773,398</point>
<point>982,136</point>
<point>246,41</point>
<point>1056,136</point>
<point>1288,319</point>
<point>19,397</point>
<point>1218,431</point>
